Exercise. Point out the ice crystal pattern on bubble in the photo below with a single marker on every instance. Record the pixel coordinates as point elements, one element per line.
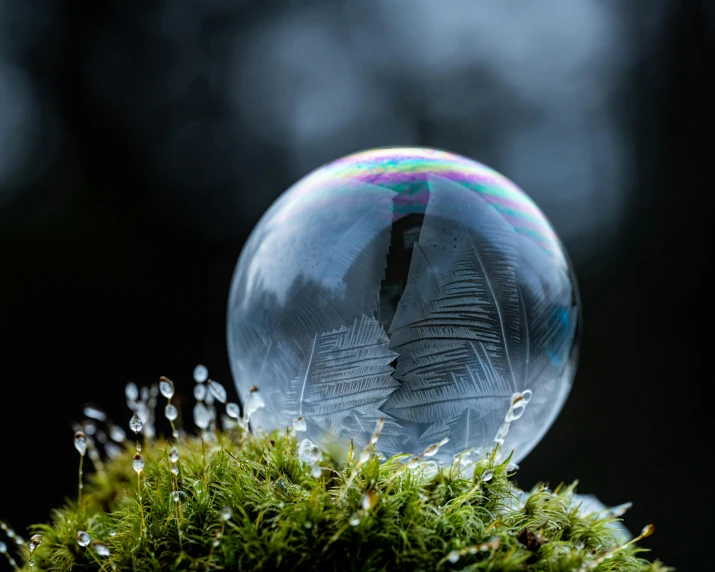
<point>485,313</point>
<point>344,381</point>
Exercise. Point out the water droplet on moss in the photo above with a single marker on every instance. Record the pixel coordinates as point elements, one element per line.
<point>80,443</point>
<point>117,434</point>
<point>171,412</point>
<point>166,387</point>
<point>202,416</point>
<point>233,411</point>
<point>217,390</point>
<point>199,392</point>
<point>136,424</point>
<point>83,538</point>
<point>94,413</point>
<point>131,391</point>
<point>201,374</point>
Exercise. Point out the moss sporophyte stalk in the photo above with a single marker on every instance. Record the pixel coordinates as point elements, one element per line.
<point>228,499</point>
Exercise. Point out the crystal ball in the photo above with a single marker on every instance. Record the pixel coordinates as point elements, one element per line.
<point>412,285</point>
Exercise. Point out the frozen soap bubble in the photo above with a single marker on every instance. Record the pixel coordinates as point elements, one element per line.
<point>410,284</point>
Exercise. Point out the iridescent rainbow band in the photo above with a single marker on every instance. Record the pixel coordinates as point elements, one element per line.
<point>400,168</point>
<point>405,170</point>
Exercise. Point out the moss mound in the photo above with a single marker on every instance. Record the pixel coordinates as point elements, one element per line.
<point>234,501</point>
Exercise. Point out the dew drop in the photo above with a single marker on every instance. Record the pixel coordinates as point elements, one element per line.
<point>487,475</point>
<point>316,471</point>
<point>198,486</point>
<point>36,539</point>
<point>432,450</point>
<point>31,562</point>
<point>299,425</point>
<point>175,469</point>
<point>453,557</point>
<point>138,463</point>
<point>112,533</point>
<point>90,428</point>
<point>166,387</point>
<point>80,443</point>
<point>136,424</point>
<point>174,455</point>
<point>201,374</point>
<point>116,433</point>
<point>83,538</point>
<point>519,403</point>
<point>305,452</point>
<point>101,549</point>
<point>216,543</point>
<point>233,411</point>
<point>175,496</point>
<point>202,416</point>
<point>217,390</point>
<point>621,509</point>
<point>226,513</point>
<point>368,500</point>
<point>354,519</point>
<point>3,547</point>
<point>254,402</point>
<point>12,562</point>
<point>131,391</point>
<point>282,486</point>
<point>170,412</point>
<point>199,392</point>
<point>94,413</point>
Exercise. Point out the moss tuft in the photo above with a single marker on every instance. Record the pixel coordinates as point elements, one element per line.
<point>374,515</point>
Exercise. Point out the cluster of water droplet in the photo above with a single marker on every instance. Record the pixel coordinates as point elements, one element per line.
<point>97,433</point>
<point>15,538</point>
<point>309,453</point>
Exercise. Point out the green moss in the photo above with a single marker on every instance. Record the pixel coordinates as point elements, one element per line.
<point>370,516</point>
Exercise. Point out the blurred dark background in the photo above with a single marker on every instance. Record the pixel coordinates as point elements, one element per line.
<point>141,142</point>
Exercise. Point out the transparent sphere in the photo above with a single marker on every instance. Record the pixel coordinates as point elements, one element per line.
<point>409,284</point>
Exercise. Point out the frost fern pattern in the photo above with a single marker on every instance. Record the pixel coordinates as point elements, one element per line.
<point>346,377</point>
